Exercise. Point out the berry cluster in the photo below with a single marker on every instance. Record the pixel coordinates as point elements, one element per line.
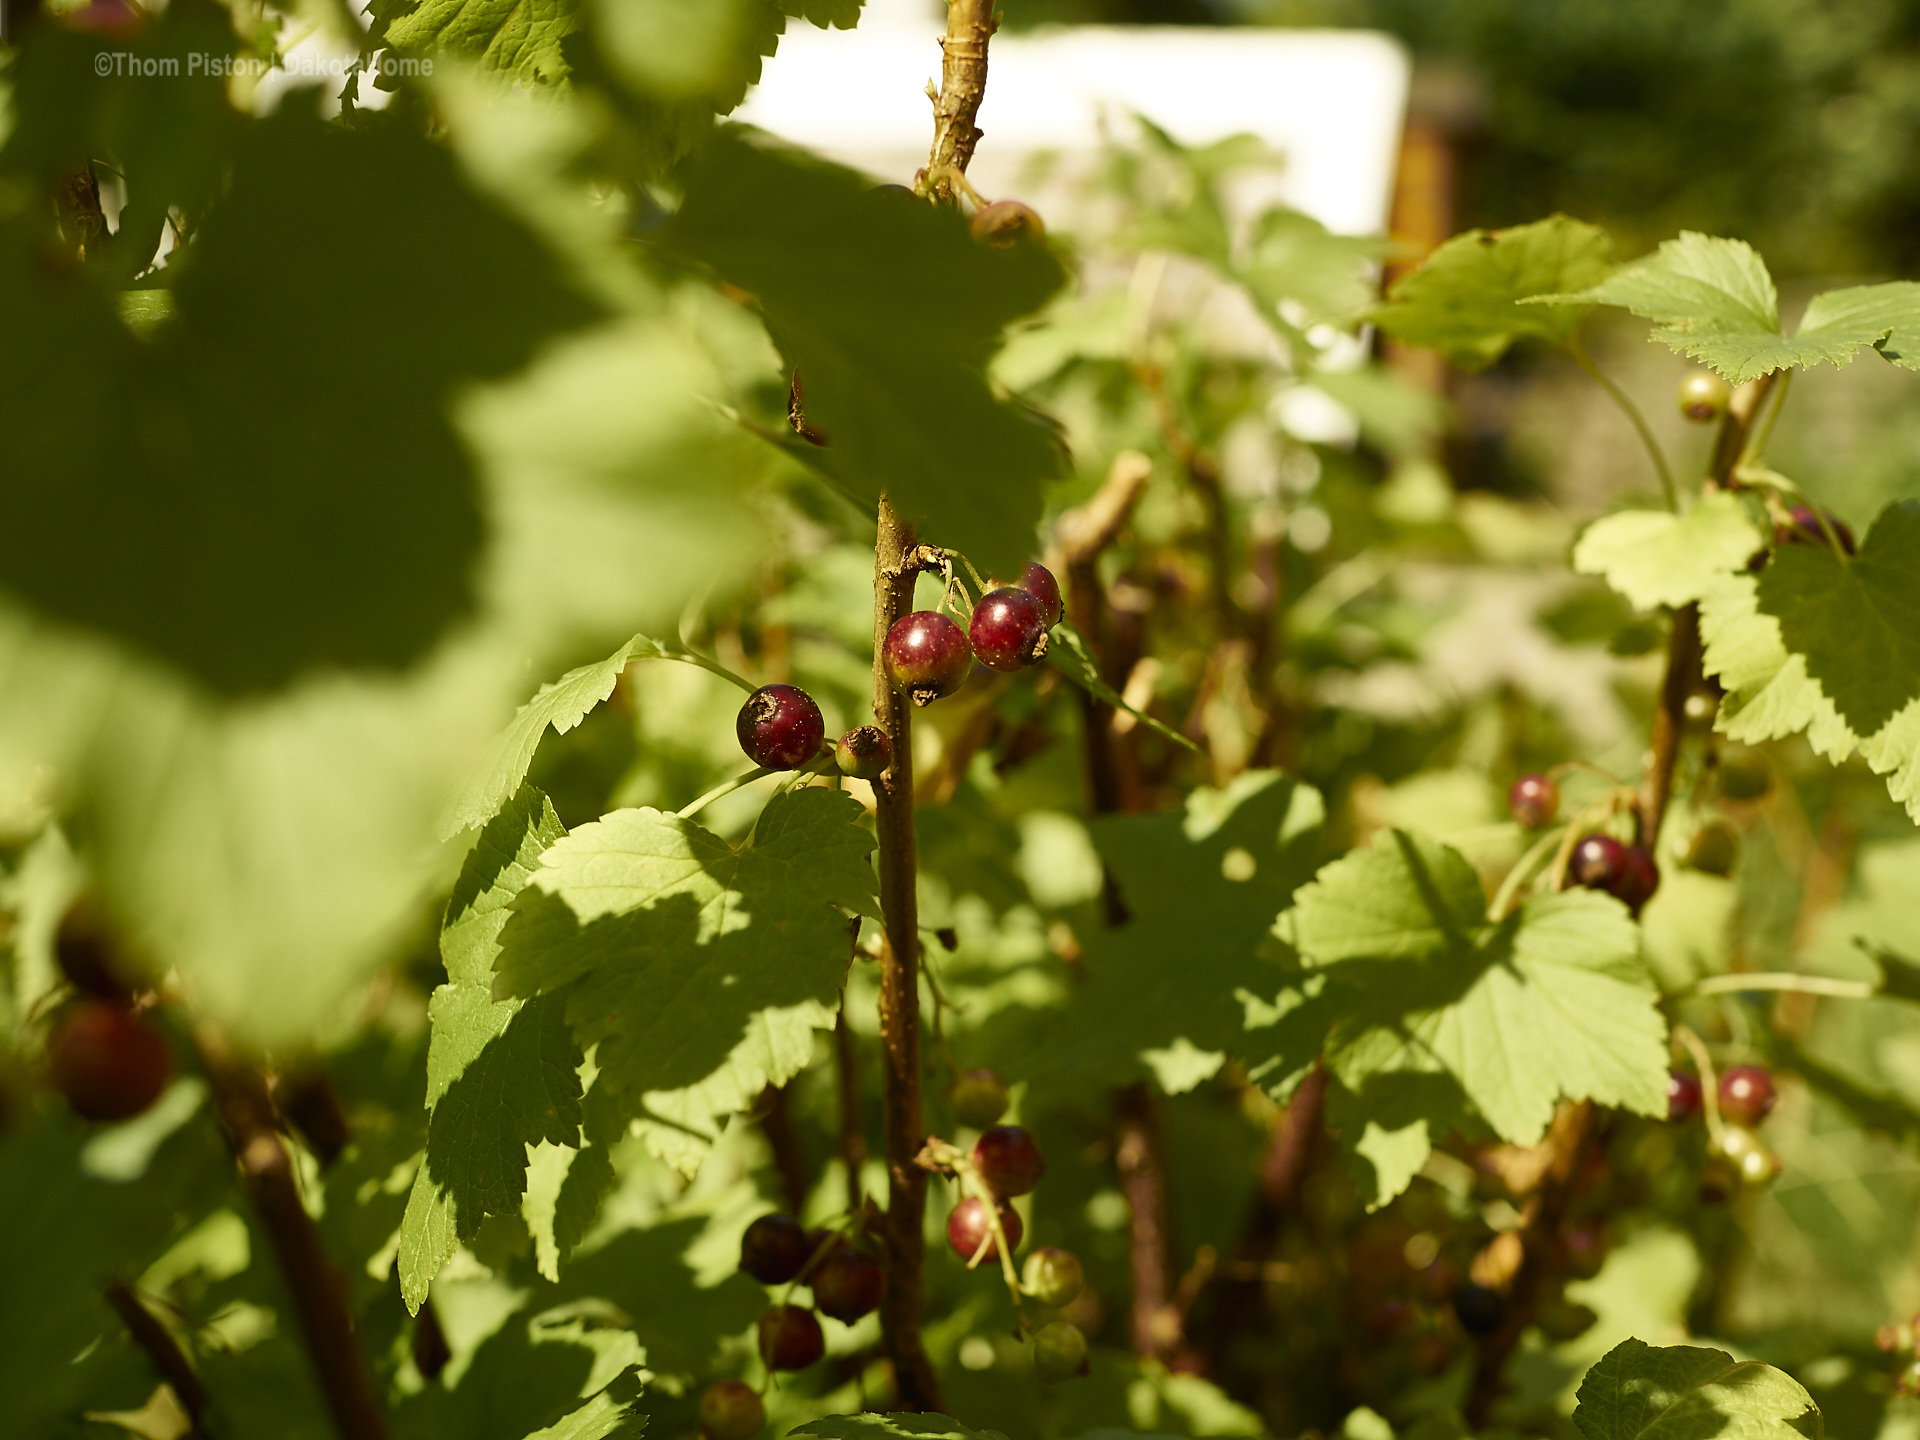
<point>928,656</point>
<point>106,1060</point>
<point>1007,1162</point>
<point>847,1284</point>
<point>1597,861</point>
<point>1738,1156</point>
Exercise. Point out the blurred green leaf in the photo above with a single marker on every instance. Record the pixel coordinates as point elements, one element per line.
<point>1680,1392</point>
<point>700,970</point>
<point>891,1427</point>
<point>889,311</point>
<point>1464,299</point>
<point>1885,316</point>
<point>1656,558</point>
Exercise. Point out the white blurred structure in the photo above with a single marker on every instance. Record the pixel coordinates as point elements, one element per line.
<point>1331,101</point>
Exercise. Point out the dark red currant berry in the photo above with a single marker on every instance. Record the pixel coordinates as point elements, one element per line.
<point>780,727</point>
<point>86,953</point>
<point>731,1410</point>
<point>1639,880</point>
<point>1626,872</point>
<point>774,1249</point>
<point>847,1286</point>
<point>1038,582</point>
<point>1059,1351</point>
<point>1006,223</point>
<point>1534,800</point>
<point>109,1063</point>
<point>979,1099</point>
<point>1008,630</point>
<point>1481,1310</point>
<point>864,753</point>
<point>1746,1094</point>
<point>927,656</point>
<point>1009,1161</point>
<point>967,1229</point>
<point>1585,1248</point>
<point>1053,1276</point>
<point>1683,1095</point>
<point>1803,528</point>
<point>1704,396</point>
<point>790,1338</point>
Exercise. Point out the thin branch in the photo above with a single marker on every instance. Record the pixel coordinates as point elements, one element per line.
<point>1140,1156</point>
<point>897,561</point>
<point>1632,411</point>
<point>789,1162</point>
<point>1684,677</point>
<point>319,1291</point>
<point>1782,980</point>
<point>853,1139</point>
<point>963,85</point>
<point>165,1352</point>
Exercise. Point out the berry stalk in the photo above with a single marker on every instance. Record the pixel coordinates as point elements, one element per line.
<point>897,562</point>
<point>318,1288</point>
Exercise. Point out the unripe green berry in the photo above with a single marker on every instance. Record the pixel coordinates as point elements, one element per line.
<point>979,1099</point>
<point>1053,1276</point>
<point>864,752</point>
<point>1059,1351</point>
<point>1703,397</point>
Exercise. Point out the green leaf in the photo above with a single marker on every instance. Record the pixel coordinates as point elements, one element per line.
<point>1428,1006</point>
<point>1204,884</point>
<point>1655,558</point>
<point>1772,694</point>
<point>139,501</point>
<point>892,1427</point>
<point>1680,1392</point>
<point>1070,656</point>
<point>561,704</point>
<point>521,41</point>
<point>1464,298</point>
<point>839,14</point>
<point>500,1074</point>
<point>700,970</point>
<point>1885,316</point>
<point>862,290</point>
<point>1857,623</point>
<point>1713,299</point>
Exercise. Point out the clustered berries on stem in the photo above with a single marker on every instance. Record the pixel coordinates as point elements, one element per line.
<point>1005,1163</point>
<point>1626,872</point>
<point>1534,801</point>
<point>1737,1156</point>
<point>927,656</point>
<point>847,1285</point>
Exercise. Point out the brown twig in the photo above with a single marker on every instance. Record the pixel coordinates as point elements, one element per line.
<point>1237,1304</point>
<point>1684,678</point>
<point>853,1138</point>
<point>963,85</point>
<point>165,1352</point>
<point>1140,1155</point>
<point>1082,534</point>
<point>896,563</point>
<point>789,1162</point>
<point>1542,1263</point>
<point>319,1291</point>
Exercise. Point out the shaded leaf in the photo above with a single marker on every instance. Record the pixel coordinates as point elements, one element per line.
<point>1203,884</point>
<point>890,1427</point>
<point>1857,623</point>
<point>699,969</point>
<point>858,286</point>
<point>500,1075</point>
